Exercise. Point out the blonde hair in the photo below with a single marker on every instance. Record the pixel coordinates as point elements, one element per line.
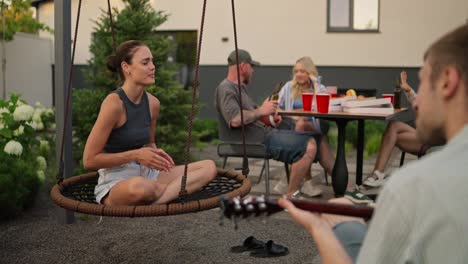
<point>311,70</point>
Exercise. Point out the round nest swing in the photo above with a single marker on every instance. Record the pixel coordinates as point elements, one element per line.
<point>77,193</point>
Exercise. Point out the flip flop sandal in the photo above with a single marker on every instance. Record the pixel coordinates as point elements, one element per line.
<point>270,250</point>
<point>250,244</point>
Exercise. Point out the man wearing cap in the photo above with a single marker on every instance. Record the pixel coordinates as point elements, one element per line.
<point>297,148</point>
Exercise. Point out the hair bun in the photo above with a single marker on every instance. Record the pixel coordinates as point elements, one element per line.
<point>113,63</point>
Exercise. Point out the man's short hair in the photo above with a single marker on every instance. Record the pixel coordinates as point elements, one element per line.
<point>450,49</point>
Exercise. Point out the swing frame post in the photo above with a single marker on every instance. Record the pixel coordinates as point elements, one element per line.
<point>62,43</point>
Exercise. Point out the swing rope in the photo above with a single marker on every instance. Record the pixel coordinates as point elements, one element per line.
<point>183,191</point>
<point>245,162</point>
<point>111,21</point>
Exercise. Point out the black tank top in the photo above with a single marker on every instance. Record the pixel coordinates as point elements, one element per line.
<point>135,133</point>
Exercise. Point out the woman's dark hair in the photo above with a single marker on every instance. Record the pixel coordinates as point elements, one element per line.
<point>124,52</point>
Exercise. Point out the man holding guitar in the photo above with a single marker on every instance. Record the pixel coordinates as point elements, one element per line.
<point>421,213</point>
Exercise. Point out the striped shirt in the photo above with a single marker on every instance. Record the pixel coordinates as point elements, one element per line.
<point>422,213</point>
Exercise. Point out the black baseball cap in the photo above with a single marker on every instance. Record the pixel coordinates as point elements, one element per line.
<point>244,56</point>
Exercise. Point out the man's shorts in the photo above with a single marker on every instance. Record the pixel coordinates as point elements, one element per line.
<point>111,176</point>
<point>289,146</point>
<point>351,235</point>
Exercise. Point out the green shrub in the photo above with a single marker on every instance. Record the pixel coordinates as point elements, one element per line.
<point>25,133</point>
<point>373,131</point>
<point>86,105</point>
<point>205,130</point>
<point>372,145</point>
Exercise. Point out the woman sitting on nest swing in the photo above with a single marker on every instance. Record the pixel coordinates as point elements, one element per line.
<point>132,170</point>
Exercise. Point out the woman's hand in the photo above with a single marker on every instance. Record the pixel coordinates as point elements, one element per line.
<point>404,81</point>
<point>155,158</point>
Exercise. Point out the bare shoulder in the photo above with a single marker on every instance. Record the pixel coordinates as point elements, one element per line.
<point>112,104</point>
<point>154,102</point>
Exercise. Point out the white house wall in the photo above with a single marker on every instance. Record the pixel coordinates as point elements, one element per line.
<point>277,32</point>
<point>90,12</point>
<point>28,68</point>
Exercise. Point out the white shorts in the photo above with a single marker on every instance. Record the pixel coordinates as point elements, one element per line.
<point>111,176</point>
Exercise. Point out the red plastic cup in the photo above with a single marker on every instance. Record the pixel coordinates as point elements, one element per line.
<point>391,96</point>
<point>333,91</point>
<point>323,103</point>
<point>307,101</point>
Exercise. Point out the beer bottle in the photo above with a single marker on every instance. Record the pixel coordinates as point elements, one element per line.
<point>397,95</point>
<point>275,95</point>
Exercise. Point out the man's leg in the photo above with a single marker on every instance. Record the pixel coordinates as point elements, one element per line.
<point>326,158</point>
<point>301,167</point>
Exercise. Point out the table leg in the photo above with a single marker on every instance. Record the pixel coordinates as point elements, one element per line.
<point>340,169</point>
<point>360,151</point>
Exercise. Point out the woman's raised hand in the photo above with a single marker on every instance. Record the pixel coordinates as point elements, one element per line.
<point>155,158</point>
<point>404,81</point>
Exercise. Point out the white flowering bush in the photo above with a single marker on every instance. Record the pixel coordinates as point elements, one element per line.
<point>25,137</point>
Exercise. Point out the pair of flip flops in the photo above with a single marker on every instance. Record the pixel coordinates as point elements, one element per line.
<point>260,249</point>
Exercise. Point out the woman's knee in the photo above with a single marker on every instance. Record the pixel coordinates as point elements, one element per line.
<point>141,191</point>
<point>208,167</point>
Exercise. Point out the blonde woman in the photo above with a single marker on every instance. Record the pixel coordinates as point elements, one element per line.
<point>306,79</point>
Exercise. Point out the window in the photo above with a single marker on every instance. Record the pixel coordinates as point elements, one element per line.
<point>353,16</point>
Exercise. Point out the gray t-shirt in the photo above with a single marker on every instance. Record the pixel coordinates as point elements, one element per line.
<point>227,106</point>
<point>422,212</point>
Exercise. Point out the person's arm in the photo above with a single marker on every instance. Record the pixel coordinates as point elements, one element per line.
<point>155,105</point>
<point>263,113</point>
<point>228,104</point>
<point>94,157</point>
<point>250,116</point>
<point>409,92</point>
<point>321,229</point>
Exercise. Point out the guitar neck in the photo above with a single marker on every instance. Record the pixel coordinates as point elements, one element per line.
<point>318,206</point>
